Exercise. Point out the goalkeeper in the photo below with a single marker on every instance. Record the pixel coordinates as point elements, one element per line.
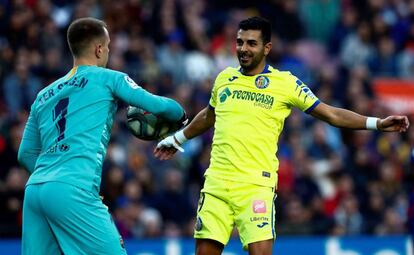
<point>64,145</point>
<point>247,108</point>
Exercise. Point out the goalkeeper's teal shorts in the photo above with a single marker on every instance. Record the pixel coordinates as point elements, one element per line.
<point>59,218</point>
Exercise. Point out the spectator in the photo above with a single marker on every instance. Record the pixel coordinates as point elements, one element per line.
<point>153,40</point>
<point>20,88</point>
<point>357,48</point>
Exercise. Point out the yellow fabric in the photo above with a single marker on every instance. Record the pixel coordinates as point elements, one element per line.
<point>71,73</point>
<point>224,204</point>
<point>250,113</point>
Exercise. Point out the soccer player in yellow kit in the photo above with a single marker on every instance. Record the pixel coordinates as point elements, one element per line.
<point>248,107</point>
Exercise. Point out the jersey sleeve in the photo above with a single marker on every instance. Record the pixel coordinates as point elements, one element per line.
<point>130,92</point>
<point>30,146</point>
<point>213,97</point>
<point>300,95</point>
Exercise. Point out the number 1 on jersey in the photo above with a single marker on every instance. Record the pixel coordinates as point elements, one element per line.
<point>61,109</point>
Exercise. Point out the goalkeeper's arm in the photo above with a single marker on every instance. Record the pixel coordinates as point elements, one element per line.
<point>167,147</point>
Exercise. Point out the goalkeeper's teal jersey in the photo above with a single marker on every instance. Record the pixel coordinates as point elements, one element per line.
<point>70,123</point>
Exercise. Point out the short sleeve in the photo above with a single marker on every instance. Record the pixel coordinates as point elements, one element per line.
<point>300,95</point>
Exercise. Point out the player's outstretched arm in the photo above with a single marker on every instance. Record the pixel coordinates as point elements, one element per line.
<point>167,147</point>
<point>343,118</point>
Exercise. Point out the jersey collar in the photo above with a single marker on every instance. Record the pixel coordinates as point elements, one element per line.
<point>265,69</point>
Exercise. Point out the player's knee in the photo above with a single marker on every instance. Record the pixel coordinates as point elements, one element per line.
<point>261,248</point>
<point>208,247</point>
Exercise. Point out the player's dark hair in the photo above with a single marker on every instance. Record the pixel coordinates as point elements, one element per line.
<point>258,23</point>
<point>82,31</point>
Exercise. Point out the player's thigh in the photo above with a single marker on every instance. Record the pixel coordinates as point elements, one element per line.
<point>214,215</point>
<point>208,247</point>
<point>37,236</point>
<point>261,247</point>
<point>254,212</point>
<point>80,221</point>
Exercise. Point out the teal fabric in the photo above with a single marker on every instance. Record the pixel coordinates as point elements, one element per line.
<point>70,122</point>
<point>319,17</point>
<point>70,221</point>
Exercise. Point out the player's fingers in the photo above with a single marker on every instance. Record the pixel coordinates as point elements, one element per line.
<point>168,155</point>
<point>161,152</point>
<point>403,120</point>
<point>156,150</point>
<point>406,122</point>
<point>403,127</point>
<point>158,154</point>
<point>164,155</point>
<point>171,152</point>
<point>403,123</point>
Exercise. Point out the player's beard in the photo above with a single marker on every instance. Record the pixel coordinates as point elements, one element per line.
<point>255,60</point>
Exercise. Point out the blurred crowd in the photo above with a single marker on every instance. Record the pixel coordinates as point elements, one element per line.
<point>332,181</point>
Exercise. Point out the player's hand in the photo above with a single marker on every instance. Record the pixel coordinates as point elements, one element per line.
<point>167,147</point>
<point>394,124</point>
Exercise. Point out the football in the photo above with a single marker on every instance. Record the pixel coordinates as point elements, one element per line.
<point>147,126</point>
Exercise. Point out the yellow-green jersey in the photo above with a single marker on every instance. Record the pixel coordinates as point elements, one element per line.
<point>250,113</point>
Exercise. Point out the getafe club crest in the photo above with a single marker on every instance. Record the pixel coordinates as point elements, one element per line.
<point>262,82</point>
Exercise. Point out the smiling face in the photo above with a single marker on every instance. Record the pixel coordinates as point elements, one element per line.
<point>251,51</point>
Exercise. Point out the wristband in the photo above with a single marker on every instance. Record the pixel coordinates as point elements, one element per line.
<point>371,123</point>
<point>180,137</point>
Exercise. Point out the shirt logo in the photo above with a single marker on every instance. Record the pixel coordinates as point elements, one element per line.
<point>259,206</point>
<point>64,147</point>
<point>131,82</point>
<point>233,78</point>
<point>262,82</point>
<point>224,94</point>
<point>258,99</point>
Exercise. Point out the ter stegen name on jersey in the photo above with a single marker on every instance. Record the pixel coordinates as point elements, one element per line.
<point>60,110</point>
<point>75,82</point>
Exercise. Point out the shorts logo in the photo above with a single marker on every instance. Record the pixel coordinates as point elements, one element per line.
<point>201,201</point>
<point>259,206</point>
<point>199,224</point>
<point>131,82</point>
<point>262,225</point>
<point>262,82</point>
<point>265,174</point>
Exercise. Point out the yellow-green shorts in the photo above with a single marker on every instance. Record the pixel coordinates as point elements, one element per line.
<point>224,204</point>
